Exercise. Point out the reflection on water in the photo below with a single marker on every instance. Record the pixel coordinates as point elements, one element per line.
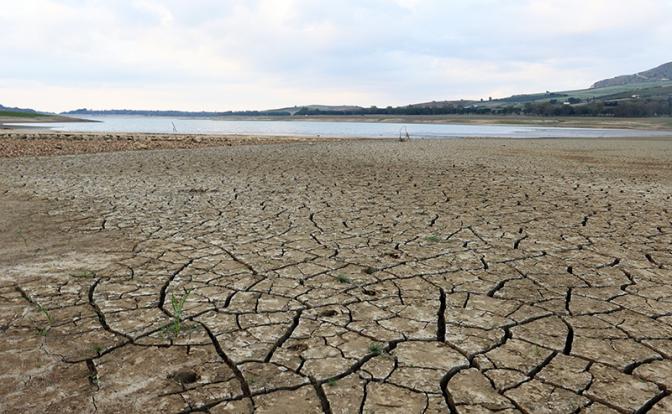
<point>331,129</point>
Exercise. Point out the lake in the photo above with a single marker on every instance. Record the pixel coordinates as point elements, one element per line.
<point>150,124</point>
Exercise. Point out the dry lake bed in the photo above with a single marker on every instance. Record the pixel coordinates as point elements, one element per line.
<point>461,276</point>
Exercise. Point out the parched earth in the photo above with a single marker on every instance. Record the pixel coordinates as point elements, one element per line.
<point>465,276</point>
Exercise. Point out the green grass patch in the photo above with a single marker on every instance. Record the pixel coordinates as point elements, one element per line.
<point>376,348</point>
<point>50,321</point>
<point>178,309</point>
<point>84,274</point>
<point>343,279</point>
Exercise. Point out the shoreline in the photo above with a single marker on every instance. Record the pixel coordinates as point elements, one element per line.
<point>35,119</point>
<point>27,143</point>
<point>44,142</point>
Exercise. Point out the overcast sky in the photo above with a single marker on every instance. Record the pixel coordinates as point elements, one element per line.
<point>57,55</point>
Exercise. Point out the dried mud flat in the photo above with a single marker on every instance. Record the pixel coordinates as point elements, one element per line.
<point>378,277</point>
<point>35,142</point>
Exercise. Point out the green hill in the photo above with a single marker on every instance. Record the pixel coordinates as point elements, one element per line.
<point>660,73</point>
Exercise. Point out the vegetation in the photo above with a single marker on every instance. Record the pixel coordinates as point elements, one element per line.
<point>20,114</point>
<point>50,321</point>
<point>84,274</point>
<point>178,308</point>
<point>619,107</point>
<point>644,99</point>
<point>343,279</point>
<point>376,348</point>
<point>202,114</point>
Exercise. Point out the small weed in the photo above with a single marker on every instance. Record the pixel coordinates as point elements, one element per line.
<point>370,270</point>
<point>93,373</point>
<point>376,348</point>
<point>331,382</point>
<point>433,239</point>
<point>343,279</point>
<point>20,234</point>
<point>84,274</point>
<point>50,321</point>
<point>97,349</point>
<point>178,308</point>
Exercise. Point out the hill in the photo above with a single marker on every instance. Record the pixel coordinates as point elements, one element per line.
<point>17,110</point>
<point>328,108</point>
<point>289,111</point>
<point>660,73</point>
<point>173,113</point>
<point>9,115</point>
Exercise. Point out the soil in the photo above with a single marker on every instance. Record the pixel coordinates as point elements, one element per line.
<point>462,276</point>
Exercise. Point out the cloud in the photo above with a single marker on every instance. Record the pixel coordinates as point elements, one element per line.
<point>234,54</point>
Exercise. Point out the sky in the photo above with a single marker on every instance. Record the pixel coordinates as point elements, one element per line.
<point>58,55</point>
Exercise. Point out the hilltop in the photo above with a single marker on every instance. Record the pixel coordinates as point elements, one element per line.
<point>660,73</point>
<point>26,115</point>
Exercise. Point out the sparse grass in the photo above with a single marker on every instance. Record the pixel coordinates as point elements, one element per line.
<point>20,234</point>
<point>376,348</point>
<point>370,270</point>
<point>178,308</point>
<point>97,349</point>
<point>50,321</point>
<point>343,279</point>
<point>84,274</point>
<point>93,379</point>
<point>331,382</point>
<point>433,239</point>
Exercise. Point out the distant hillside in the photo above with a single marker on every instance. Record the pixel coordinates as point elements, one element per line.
<point>24,115</point>
<point>660,73</point>
<point>185,114</point>
<point>289,111</point>
<point>8,109</point>
<point>328,108</point>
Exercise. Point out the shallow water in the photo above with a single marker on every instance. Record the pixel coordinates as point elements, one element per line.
<point>331,129</point>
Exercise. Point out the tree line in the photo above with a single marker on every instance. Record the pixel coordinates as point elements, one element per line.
<point>203,114</point>
<point>622,108</point>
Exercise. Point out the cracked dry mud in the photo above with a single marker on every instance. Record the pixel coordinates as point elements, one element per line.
<point>378,277</point>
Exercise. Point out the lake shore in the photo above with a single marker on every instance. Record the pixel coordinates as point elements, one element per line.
<point>44,142</point>
<point>661,123</point>
<point>31,142</point>
<point>33,118</point>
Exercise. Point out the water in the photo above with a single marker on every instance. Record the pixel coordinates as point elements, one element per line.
<point>331,129</point>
